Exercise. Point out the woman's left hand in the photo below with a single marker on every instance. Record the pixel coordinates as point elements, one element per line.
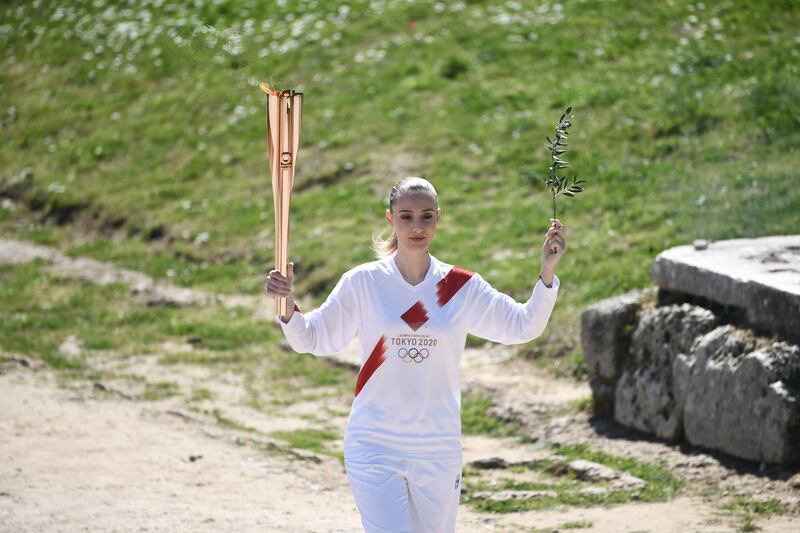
<point>555,245</point>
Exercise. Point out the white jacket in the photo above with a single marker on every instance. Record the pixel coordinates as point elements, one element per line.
<point>407,396</point>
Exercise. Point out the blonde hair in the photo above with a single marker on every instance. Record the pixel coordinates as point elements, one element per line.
<point>406,186</point>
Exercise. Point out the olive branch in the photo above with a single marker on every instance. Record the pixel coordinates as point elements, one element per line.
<point>558,146</point>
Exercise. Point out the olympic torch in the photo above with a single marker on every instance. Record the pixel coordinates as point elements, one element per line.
<point>284,109</point>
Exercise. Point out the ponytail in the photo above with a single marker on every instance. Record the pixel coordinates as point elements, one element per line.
<point>384,247</point>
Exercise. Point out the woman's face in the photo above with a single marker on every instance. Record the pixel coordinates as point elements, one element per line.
<point>414,219</point>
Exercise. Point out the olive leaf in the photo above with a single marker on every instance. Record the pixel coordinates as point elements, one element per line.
<point>557,146</point>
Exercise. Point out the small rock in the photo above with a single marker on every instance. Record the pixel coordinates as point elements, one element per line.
<point>489,463</point>
<point>594,491</point>
<point>202,238</point>
<point>16,359</point>
<point>560,422</point>
<point>507,495</point>
<point>629,482</point>
<point>589,471</point>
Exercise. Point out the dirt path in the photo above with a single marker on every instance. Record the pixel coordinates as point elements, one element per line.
<point>74,458</point>
<point>82,456</point>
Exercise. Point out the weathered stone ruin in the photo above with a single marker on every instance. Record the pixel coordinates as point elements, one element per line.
<point>710,355</point>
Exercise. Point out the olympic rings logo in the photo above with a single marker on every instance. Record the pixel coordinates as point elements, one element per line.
<point>413,354</point>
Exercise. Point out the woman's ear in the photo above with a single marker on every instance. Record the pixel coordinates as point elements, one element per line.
<point>438,214</point>
<point>388,217</point>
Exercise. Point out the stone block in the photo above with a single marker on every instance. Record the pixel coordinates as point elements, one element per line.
<point>645,395</point>
<point>760,276</point>
<point>743,396</point>
<point>606,329</point>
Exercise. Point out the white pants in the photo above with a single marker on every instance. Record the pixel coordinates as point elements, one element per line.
<point>404,495</point>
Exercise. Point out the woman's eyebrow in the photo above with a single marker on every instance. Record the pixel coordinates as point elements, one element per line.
<point>411,211</point>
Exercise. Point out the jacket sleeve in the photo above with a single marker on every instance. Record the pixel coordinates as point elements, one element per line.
<point>497,317</point>
<point>329,328</point>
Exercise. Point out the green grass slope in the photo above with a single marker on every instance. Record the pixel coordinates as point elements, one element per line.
<point>135,133</point>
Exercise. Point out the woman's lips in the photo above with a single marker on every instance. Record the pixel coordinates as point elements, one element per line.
<point>417,238</point>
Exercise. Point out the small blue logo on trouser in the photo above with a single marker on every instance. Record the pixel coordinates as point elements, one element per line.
<point>458,478</point>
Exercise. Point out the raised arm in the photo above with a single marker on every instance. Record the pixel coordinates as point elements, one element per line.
<point>329,328</point>
<point>497,317</point>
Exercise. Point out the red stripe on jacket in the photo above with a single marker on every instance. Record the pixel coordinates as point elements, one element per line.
<point>449,285</point>
<point>375,359</point>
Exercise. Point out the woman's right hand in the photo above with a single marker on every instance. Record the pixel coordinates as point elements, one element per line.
<point>277,284</point>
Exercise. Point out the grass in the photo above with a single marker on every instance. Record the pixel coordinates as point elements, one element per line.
<point>224,421</point>
<point>662,485</point>
<point>579,405</point>
<point>160,390</point>
<point>685,127</point>
<point>577,524</point>
<point>748,508</point>
<point>41,310</point>
<point>476,418</point>
<point>200,394</point>
<point>311,439</point>
<point>764,507</point>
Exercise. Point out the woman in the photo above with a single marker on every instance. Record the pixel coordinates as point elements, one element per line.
<point>402,446</point>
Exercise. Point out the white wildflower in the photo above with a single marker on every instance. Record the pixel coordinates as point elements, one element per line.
<point>202,238</point>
